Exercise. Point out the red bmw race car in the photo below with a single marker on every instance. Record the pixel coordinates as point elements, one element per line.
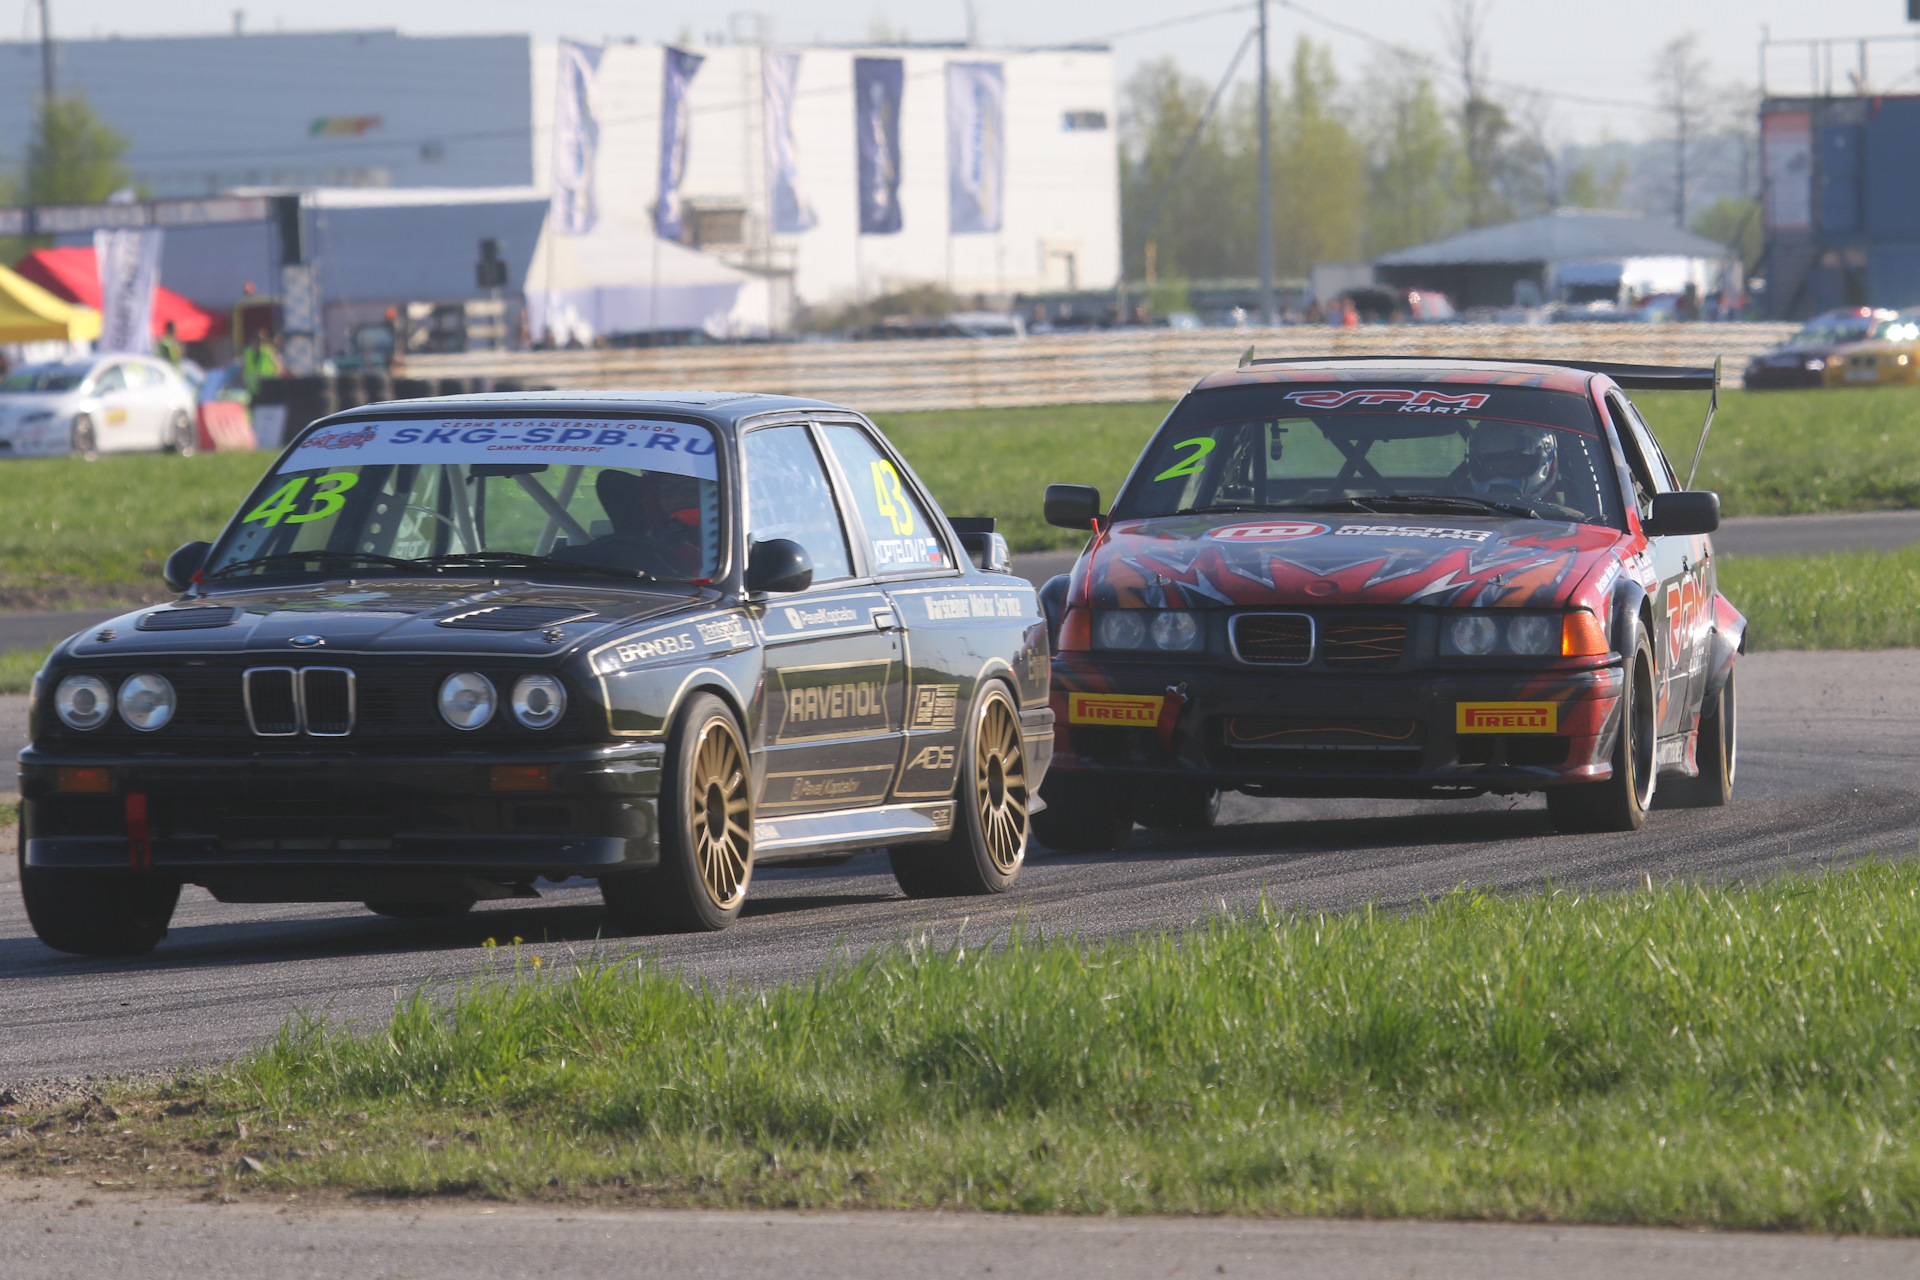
<point>1393,577</point>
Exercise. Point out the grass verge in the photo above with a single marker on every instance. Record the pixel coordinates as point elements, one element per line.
<point>1847,600</point>
<point>18,667</point>
<point>1727,1057</point>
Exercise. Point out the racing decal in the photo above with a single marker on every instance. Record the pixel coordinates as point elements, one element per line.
<point>727,632</point>
<point>1193,462</point>
<point>1122,709</point>
<point>678,447</point>
<point>1506,717</point>
<point>1683,620</point>
<point>1268,531</point>
<point>329,492</point>
<point>1410,531</point>
<point>722,634</point>
<point>116,416</point>
<point>831,701</point>
<point>1402,399</point>
<point>973,604</point>
<point>935,757</point>
<point>826,789</point>
<point>935,706</point>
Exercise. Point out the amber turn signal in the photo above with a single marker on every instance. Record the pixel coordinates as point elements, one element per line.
<point>83,782</point>
<point>517,777</point>
<point>1581,636</point>
<point>1076,631</point>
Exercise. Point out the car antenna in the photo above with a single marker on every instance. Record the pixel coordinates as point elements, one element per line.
<point>1246,357</point>
<point>1712,406</point>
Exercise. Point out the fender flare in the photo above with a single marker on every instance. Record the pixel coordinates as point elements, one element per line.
<point>1053,606</point>
<point>1628,596</point>
<point>1727,641</point>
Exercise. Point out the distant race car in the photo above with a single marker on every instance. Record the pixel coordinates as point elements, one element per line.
<point>1888,357</point>
<point>448,647</point>
<point>105,404</point>
<point>1802,360</point>
<point>1392,578</point>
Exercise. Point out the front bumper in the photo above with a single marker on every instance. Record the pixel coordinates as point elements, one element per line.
<point>332,826</point>
<point>1308,733</point>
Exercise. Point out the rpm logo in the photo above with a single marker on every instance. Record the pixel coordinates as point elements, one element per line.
<point>1268,531</point>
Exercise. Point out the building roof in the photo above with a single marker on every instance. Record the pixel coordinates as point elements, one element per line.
<point>1565,235</point>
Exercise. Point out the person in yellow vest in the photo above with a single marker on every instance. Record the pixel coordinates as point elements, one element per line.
<point>261,360</point>
<point>169,348</point>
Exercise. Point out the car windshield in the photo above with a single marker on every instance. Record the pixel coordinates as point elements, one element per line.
<point>626,497</point>
<point>46,377</point>
<point>1832,332</point>
<point>1422,448</point>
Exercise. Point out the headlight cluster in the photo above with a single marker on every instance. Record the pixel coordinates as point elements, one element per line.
<point>1815,364</point>
<point>1476,635</point>
<point>1174,630</point>
<point>468,700</point>
<point>146,702</point>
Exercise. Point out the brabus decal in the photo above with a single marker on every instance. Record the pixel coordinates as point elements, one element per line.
<point>1403,399</point>
<point>703,635</point>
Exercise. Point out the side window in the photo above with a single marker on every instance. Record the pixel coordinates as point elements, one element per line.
<point>1644,483</point>
<point>113,378</point>
<point>1663,476</point>
<point>901,535</point>
<point>788,496</point>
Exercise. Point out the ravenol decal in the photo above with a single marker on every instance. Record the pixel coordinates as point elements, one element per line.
<point>1506,717</point>
<point>1268,531</point>
<point>1122,709</point>
<point>1403,399</point>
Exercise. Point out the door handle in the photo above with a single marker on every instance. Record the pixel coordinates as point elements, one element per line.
<point>885,620</point>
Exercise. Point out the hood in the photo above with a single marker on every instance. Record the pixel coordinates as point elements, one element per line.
<point>403,616</point>
<point>1229,561</point>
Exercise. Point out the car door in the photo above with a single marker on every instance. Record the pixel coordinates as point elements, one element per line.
<point>116,424</point>
<point>835,684</point>
<point>1676,605</point>
<point>153,400</point>
<point>942,629</point>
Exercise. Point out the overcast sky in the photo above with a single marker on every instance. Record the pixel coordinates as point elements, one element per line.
<point>1592,49</point>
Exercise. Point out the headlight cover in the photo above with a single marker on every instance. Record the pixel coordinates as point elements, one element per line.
<point>467,700</point>
<point>83,702</point>
<point>147,701</point>
<point>539,701</point>
<point>1170,630</point>
<point>1497,633</point>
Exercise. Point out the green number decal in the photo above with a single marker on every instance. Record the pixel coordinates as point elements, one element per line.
<point>1189,465</point>
<point>331,500</point>
<point>278,504</point>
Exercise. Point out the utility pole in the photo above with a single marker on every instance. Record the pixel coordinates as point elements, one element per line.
<point>1267,315</point>
<point>46,55</point>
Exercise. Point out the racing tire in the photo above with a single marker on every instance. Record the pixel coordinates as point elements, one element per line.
<point>180,439</point>
<point>1716,752</point>
<point>1083,814</point>
<point>83,442</point>
<point>97,913</point>
<point>418,910</point>
<point>706,832</point>
<point>1620,802</point>
<point>1180,806</point>
<point>992,818</point>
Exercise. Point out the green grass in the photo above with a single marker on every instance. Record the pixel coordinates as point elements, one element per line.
<point>1741,1057</point>
<point>18,667</point>
<point>1848,600</point>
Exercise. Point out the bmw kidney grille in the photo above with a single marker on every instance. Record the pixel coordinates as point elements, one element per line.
<point>283,702</point>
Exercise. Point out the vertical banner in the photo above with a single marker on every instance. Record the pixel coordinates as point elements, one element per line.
<point>680,68</point>
<point>787,195</point>
<point>129,264</point>
<point>976,146</point>
<point>877,86</point>
<point>1786,162</point>
<point>576,140</point>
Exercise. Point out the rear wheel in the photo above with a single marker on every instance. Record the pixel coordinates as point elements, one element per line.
<point>1618,803</point>
<point>1083,814</point>
<point>82,442</point>
<point>991,820</point>
<point>97,913</point>
<point>1180,806</point>
<point>180,436</point>
<point>1716,754</point>
<point>706,832</point>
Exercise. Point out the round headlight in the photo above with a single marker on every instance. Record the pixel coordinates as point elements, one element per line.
<point>1120,629</point>
<point>1175,629</point>
<point>539,701</point>
<point>1473,634</point>
<point>467,700</point>
<point>146,701</point>
<point>1533,634</point>
<point>1816,364</point>
<point>83,702</point>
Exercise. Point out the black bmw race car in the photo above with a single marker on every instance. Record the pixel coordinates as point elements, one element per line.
<point>449,647</point>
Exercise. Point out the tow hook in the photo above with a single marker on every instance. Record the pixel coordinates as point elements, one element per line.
<point>1170,714</point>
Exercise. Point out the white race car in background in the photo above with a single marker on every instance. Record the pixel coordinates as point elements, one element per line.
<point>106,404</point>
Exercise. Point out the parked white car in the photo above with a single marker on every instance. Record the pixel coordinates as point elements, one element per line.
<point>106,404</point>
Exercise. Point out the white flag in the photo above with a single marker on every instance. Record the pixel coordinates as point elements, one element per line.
<point>792,211</point>
<point>129,263</point>
<point>976,146</point>
<point>576,140</point>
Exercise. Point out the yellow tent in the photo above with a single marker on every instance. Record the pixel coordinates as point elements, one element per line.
<point>29,313</point>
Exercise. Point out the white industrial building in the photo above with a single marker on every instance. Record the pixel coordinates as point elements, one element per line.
<point>380,109</point>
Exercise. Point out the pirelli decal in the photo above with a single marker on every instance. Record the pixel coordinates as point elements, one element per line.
<point>1123,710</point>
<point>831,702</point>
<point>1506,717</point>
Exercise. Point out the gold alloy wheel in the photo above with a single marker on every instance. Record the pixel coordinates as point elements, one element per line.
<point>719,813</point>
<point>1000,785</point>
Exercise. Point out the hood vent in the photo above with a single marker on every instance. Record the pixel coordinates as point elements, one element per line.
<point>514,617</point>
<point>192,619</point>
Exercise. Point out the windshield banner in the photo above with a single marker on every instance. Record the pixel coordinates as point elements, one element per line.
<point>678,447</point>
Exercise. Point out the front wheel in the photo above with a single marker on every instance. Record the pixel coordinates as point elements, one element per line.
<point>82,441</point>
<point>706,832</point>
<point>1620,802</point>
<point>180,439</point>
<point>97,913</point>
<point>991,820</point>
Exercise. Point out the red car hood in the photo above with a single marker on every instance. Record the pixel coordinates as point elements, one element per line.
<point>1218,561</point>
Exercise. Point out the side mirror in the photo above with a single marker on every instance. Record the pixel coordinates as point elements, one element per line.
<point>184,563</point>
<point>779,564</point>
<point>1695,511</point>
<point>1073,506</point>
<point>987,549</point>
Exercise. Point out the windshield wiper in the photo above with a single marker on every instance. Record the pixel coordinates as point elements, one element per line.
<point>325,557</point>
<point>1456,502</point>
<point>527,560</point>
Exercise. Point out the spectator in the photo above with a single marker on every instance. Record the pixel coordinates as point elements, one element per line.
<point>169,348</point>
<point>261,360</point>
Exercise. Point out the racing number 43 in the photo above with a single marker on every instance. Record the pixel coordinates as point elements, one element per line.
<point>891,497</point>
<point>330,491</point>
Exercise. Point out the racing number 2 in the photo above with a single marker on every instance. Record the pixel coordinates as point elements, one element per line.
<point>1191,464</point>
<point>330,493</point>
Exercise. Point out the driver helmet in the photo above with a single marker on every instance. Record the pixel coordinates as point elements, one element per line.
<point>1512,458</point>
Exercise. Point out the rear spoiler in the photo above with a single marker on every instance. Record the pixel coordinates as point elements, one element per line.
<point>1633,377</point>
